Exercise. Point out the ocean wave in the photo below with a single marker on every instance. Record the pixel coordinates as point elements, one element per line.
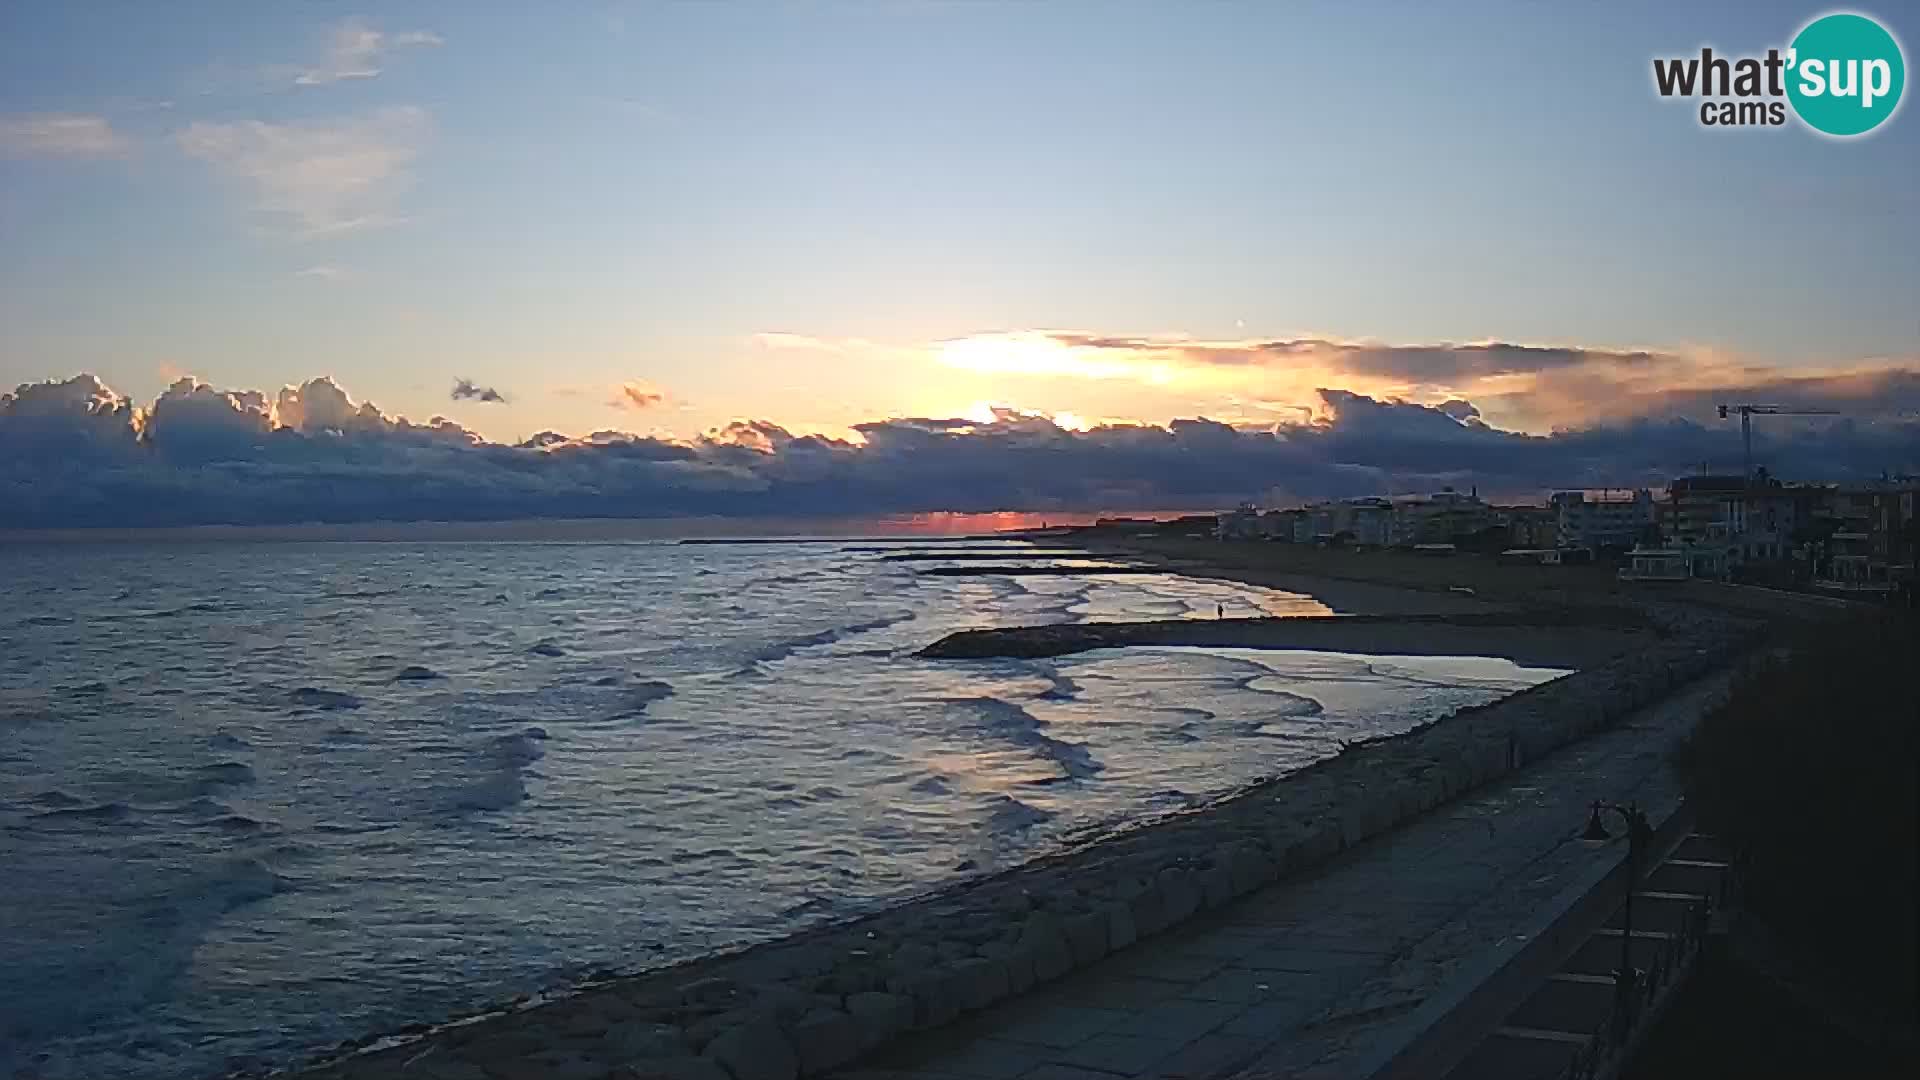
<point>546,647</point>
<point>494,791</point>
<point>416,673</point>
<point>238,823</point>
<point>132,952</point>
<point>932,785</point>
<point>1007,814</point>
<point>1019,726</point>
<point>106,811</point>
<point>780,650</point>
<point>1061,688</point>
<point>646,692</point>
<point>1294,706</point>
<point>314,697</point>
<point>502,783</point>
<point>222,773</point>
<point>521,748</point>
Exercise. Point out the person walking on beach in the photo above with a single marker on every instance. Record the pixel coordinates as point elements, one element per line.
<point>1219,611</point>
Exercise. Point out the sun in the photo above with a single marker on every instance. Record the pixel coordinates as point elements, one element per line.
<point>1028,353</point>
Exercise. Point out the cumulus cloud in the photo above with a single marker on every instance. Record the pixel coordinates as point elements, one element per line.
<point>76,453</point>
<point>73,135</point>
<point>468,390</point>
<point>635,394</point>
<point>321,177</point>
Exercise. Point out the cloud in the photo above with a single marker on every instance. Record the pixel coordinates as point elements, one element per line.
<point>1525,387</point>
<point>320,177</point>
<point>468,390</point>
<point>355,50</point>
<point>71,135</point>
<point>634,394</point>
<point>76,453</point>
<point>324,273</point>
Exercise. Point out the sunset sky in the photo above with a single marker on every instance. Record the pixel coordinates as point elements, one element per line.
<point>663,218</point>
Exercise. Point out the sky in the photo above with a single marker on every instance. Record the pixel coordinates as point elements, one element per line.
<point>698,221</point>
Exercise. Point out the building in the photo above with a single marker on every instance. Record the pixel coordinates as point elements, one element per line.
<point>1767,520</point>
<point>1247,522</point>
<point>1240,523</point>
<point>1527,528</point>
<point>1874,538</point>
<point>1677,563</point>
<point>1366,521</point>
<point>1441,518</point>
<point>1604,518</point>
<point>1700,505</point>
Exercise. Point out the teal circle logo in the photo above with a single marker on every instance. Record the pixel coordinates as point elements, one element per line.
<point>1844,74</point>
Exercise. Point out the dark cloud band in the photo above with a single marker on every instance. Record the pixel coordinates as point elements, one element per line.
<point>75,453</point>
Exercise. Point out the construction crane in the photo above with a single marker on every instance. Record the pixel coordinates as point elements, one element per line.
<point>1748,412</point>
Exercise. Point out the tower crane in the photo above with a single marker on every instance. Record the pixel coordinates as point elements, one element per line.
<point>1748,412</point>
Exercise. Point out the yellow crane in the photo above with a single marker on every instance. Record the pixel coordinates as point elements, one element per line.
<point>1748,412</point>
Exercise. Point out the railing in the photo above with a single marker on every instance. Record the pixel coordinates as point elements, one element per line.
<point>1638,994</point>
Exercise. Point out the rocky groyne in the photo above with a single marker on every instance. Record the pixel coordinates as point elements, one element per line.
<point>813,1002</point>
<point>1538,638</point>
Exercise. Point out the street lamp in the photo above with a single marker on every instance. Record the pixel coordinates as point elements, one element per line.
<point>1639,833</point>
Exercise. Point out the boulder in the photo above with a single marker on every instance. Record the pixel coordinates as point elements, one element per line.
<point>1179,895</point>
<point>1120,929</point>
<point>980,982</point>
<point>1043,938</point>
<point>824,1040</point>
<point>1148,909</point>
<point>1216,885</point>
<point>679,1068</point>
<point>1087,936</point>
<point>880,1014</point>
<point>757,1050</point>
<point>637,1039</point>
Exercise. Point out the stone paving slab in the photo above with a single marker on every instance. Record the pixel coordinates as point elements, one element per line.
<point>1313,972</point>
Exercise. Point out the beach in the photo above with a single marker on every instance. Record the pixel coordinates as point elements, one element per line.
<point>811,1003</point>
<point>268,797</point>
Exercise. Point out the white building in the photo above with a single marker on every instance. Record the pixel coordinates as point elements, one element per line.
<point>1610,517</point>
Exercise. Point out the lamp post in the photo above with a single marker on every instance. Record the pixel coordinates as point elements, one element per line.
<point>1639,833</point>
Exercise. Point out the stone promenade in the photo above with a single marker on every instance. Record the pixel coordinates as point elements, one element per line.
<point>1313,975</point>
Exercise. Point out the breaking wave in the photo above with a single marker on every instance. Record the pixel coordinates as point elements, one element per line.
<point>1016,725</point>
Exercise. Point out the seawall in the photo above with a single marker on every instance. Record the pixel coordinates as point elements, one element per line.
<point>809,1003</point>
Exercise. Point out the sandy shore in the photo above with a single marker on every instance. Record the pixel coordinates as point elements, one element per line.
<point>1357,582</point>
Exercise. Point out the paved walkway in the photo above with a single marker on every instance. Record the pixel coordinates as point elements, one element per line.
<point>1314,972</point>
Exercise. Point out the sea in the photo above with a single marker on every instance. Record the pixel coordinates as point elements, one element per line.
<point>260,798</point>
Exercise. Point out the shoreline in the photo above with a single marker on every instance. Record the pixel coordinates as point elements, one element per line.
<point>823,995</point>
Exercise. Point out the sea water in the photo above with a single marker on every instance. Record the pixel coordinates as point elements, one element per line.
<point>257,798</point>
